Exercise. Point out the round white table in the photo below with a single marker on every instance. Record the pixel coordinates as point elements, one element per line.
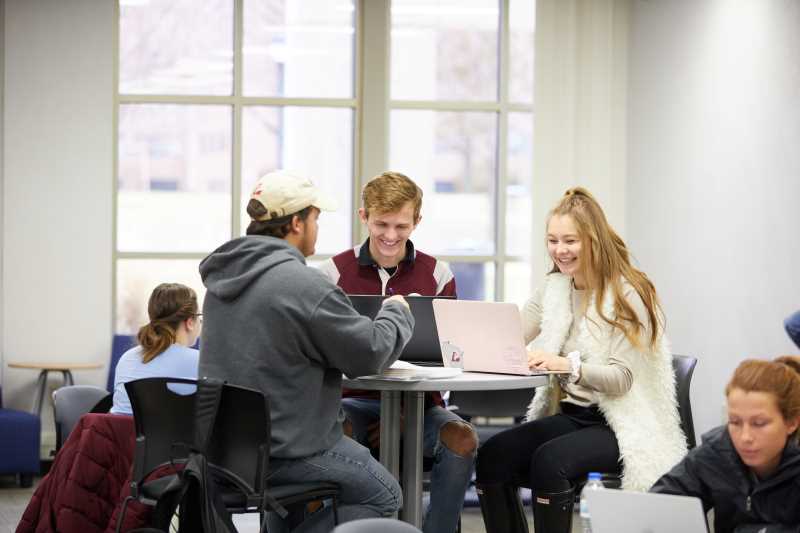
<point>411,395</point>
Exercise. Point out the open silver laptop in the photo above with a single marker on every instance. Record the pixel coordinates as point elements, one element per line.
<point>482,336</point>
<point>622,511</point>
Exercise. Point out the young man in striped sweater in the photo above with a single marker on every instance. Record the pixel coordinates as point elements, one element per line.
<point>387,263</point>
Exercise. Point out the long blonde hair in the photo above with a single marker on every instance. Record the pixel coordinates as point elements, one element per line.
<point>604,261</point>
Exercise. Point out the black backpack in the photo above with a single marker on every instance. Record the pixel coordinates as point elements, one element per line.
<point>194,493</point>
<point>194,496</point>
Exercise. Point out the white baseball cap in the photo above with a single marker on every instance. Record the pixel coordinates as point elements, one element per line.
<point>283,193</point>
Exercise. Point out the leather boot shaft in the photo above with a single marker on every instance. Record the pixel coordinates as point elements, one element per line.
<point>501,508</point>
<point>552,511</point>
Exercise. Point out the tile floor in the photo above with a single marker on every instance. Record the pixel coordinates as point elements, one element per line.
<point>14,500</point>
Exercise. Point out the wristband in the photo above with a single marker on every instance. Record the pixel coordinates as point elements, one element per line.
<point>575,366</point>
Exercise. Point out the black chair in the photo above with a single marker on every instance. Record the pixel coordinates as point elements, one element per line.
<point>235,439</point>
<point>238,448</point>
<point>70,403</point>
<point>491,404</point>
<point>683,367</point>
<point>163,415</point>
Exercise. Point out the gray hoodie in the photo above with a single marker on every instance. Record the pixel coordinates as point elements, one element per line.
<point>273,324</point>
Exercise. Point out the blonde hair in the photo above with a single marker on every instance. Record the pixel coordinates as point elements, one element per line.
<point>389,192</point>
<point>169,305</point>
<point>604,261</point>
<point>780,377</point>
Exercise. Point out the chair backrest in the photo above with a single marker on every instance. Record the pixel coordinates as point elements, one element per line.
<point>72,402</point>
<point>239,442</point>
<point>683,365</point>
<point>120,345</point>
<point>494,403</point>
<point>370,525</point>
<point>163,413</point>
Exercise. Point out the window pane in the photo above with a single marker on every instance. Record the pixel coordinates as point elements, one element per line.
<point>522,19</point>
<point>474,281</point>
<point>445,50</point>
<point>452,157</point>
<point>311,141</point>
<point>174,177</point>
<point>519,176</point>
<point>298,48</point>
<point>517,283</point>
<point>136,279</point>
<point>176,47</point>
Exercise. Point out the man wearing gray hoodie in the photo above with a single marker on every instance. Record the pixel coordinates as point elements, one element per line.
<point>278,326</point>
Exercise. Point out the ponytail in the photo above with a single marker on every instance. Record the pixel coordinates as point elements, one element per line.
<point>155,338</point>
<point>792,361</point>
<point>169,305</point>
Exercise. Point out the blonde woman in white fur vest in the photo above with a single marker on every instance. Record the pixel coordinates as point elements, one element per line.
<point>598,318</point>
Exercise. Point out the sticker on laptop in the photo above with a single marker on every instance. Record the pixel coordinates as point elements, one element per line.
<point>452,355</point>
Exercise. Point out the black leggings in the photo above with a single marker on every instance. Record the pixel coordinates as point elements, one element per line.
<point>548,454</point>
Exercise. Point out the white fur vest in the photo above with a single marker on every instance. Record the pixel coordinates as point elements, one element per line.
<point>644,419</point>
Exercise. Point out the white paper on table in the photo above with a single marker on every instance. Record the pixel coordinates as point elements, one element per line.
<point>405,371</point>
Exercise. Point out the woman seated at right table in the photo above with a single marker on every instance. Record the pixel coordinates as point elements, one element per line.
<point>597,318</point>
<point>164,342</point>
<point>748,471</point>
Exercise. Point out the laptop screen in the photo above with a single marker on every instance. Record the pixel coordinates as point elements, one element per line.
<point>622,511</point>
<point>424,344</point>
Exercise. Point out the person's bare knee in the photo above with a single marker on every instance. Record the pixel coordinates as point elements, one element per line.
<point>459,438</point>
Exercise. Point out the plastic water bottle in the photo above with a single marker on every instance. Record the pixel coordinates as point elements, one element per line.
<point>595,482</point>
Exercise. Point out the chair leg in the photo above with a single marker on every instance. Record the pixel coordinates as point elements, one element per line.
<point>335,511</point>
<point>262,516</point>
<point>121,517</point>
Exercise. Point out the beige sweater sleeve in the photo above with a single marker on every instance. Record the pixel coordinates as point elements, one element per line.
<point>532,316</point>
<point>616,376</point>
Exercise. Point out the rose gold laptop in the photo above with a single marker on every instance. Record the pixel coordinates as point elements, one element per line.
<point>482,337</point>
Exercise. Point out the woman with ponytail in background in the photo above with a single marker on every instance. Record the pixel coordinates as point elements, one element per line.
<point>748,471</point>
<point>164,342</point>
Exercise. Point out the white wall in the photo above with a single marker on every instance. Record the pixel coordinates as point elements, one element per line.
<point>580,114</point>
<point>714,177</point>
<point>2,179</point>
<point>57,170</point>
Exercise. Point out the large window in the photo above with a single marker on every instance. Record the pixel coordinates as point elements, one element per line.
<point>462,125</point>
<point>214,93</point>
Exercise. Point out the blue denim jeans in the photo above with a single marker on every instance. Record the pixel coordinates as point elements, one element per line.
<point>451,473</point>
<point>368,490</point>
<point>792,325</point>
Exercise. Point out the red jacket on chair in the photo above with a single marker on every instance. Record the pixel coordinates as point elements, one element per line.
<point>87,481</point>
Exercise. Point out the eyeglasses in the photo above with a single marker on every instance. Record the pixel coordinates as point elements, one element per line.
<point>199,317</point>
